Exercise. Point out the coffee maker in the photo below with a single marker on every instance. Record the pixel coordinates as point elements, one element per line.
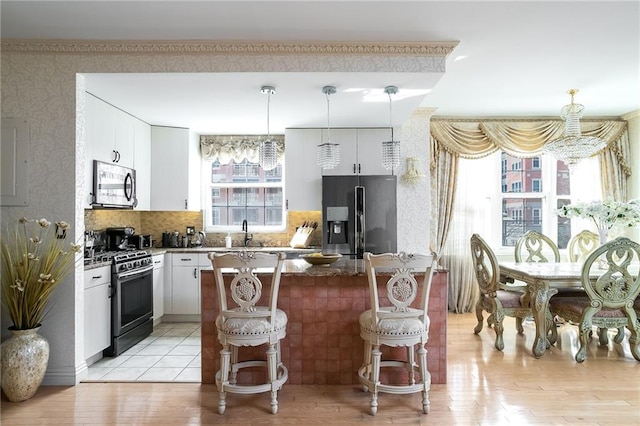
<point>118,238</point>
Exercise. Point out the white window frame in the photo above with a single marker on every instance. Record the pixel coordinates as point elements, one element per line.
<point>206,192</point>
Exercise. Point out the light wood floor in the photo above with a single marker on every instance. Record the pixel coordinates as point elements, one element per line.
<point>485,387</point>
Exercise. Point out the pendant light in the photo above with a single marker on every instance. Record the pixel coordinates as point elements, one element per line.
<point>390,148</point>
<point>328,154</point>
<point>268,151</point>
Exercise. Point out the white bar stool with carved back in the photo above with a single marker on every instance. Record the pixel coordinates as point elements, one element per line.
<point>391,321</point>
<point>242,322</point>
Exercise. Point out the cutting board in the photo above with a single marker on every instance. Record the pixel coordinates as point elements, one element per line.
<point>303,235</point>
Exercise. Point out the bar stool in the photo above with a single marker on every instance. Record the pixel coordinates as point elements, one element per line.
<point>392,322</point>
<point>244,323</point>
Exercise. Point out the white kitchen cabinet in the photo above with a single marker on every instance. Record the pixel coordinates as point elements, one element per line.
<point>108,130</point>
<point>182,287</point>
<point>142,164</point>
<point>111,132</point>
<point>303,176</point>
<point>348,140</point>
<point>369,150</point>
<point>175,169</point>
<point>158,287</point>
<point>97,310</point>
<point>360,151</point>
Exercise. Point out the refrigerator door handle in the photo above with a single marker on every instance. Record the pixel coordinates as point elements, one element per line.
<point>360,221</point>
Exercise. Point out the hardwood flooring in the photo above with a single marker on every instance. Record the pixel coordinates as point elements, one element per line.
<point>485,387</point>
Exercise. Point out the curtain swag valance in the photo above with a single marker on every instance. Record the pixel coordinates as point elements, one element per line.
<point>225,148</point>
<point>521,138</point>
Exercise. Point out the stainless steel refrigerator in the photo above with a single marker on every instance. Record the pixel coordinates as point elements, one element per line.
<point>359,214</point>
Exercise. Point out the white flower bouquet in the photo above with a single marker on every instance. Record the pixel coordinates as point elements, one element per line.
<point>605,214</point>
<point>34,262</point>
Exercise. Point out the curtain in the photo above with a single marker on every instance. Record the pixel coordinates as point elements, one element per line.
<point>476,139</point>
<point>229,147</point>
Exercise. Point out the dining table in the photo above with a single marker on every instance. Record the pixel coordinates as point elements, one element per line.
<point>543,279</point>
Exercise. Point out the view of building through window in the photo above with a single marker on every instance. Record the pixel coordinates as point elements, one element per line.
<point>239,191</point>
<point>532,190</point>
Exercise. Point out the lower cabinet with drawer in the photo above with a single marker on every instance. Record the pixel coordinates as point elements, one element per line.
<point>182,292</point>
<point>97,310</point>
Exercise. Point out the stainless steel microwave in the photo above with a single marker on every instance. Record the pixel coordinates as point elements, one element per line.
<point>114,186</point>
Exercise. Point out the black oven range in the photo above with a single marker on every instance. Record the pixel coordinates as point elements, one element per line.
<point>131,299</point>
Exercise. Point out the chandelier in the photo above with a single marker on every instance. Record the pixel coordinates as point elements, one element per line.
<point>390,148</point>
<point>572,146</point>
<point>268,151</point>
<point>328,154</point>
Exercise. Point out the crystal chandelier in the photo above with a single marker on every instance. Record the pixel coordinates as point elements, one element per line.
<point>328,154</point>
<point>267,150</point>
<point>572,146</point>
<point>390,148</point>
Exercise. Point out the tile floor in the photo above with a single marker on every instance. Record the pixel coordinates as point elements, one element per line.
<point>170,354</point>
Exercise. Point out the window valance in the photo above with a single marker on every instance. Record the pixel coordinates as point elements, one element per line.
<point>522,138</point>
<point>225,148</point>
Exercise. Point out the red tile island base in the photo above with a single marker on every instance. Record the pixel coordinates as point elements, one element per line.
<point>323,344</point>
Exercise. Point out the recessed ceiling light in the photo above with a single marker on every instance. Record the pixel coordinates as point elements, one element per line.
<point>459,58</point>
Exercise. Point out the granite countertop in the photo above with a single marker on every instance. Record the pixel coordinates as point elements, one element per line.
<point>220,249</point>
<point>344,266</point>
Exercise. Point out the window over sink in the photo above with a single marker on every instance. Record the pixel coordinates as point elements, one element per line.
<point>243,190</point>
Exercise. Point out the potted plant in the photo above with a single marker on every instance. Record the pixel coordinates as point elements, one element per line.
<point>35,259</point>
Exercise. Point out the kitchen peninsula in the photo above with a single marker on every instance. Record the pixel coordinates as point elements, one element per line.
<point>323,304</point>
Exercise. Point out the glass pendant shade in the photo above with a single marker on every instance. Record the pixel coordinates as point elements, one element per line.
<point>390,148</point>
<point>572,147</point>
<point>268,154</point>
<point>267,150</point>
<point>390,154</point>
<point>328,154</point>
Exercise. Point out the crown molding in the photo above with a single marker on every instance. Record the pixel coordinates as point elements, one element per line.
<point>631,115</point>
<point>230,48</point>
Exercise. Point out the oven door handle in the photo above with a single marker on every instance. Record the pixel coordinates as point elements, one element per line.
<point>129,274</point>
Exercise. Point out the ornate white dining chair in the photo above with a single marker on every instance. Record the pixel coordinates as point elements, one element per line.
<point>391,321</point>
<point>243,322</point>
<point>609,301</point>
<point>582,244</point>
<point>536,247</point>
<point>496,302</point>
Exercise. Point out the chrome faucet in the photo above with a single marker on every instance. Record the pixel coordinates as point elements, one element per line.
<point>247,236</point>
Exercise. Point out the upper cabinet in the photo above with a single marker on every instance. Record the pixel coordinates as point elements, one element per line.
<point>360,151</point>
<point>142,163</point>
<point>111,132</point>
<point>175,169</point>
<point>114,136</point>
<point>303,176</point>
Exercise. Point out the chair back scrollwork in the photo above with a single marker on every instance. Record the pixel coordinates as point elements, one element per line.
<point>536,247</point>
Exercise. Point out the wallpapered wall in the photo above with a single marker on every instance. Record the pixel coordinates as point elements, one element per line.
<point>155,223</point>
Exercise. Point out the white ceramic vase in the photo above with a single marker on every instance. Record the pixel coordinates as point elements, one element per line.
<point>25,356</point>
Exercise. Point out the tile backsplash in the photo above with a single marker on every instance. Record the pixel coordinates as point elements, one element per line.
<point>157,222</point>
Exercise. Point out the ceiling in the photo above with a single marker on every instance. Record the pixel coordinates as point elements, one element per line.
<point>514,58</point>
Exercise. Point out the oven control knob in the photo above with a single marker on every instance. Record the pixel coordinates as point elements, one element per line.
<point>123,267</point>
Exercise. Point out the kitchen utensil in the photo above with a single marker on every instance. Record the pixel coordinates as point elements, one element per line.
<point>303,234</point>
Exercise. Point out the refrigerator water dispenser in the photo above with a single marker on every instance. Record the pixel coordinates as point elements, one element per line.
<point>337,224</point>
